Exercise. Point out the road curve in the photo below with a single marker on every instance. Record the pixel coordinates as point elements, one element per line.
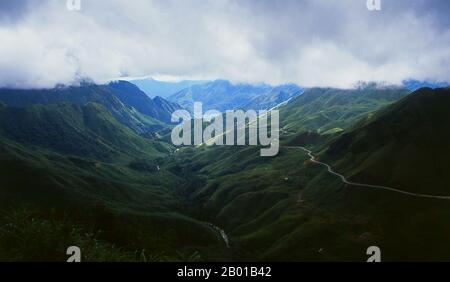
<point>344,179</point>
<point>221,232</point>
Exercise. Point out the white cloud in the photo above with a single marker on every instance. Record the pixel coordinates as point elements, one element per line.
<point>309,42</point>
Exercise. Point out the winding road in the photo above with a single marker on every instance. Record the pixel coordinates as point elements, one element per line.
<point>221,232</point>
<point>344,179</point>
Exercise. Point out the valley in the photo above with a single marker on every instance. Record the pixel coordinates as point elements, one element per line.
<point>94,166</point>
<point>214,138</point>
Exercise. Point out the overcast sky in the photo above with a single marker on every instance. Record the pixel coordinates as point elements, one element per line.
<point>308,42</point>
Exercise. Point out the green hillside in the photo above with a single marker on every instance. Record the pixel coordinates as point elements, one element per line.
<point>85,131</point>
<point>322,109</point>
<point>405,146</point>
<point>157,108</point>
<point>77,168</point>
<point>77,175</point>
<point>286,208</point>
<point>268,205</point>
<point>81,95</point>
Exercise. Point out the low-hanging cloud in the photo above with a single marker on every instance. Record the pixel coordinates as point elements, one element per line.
<point>309,42</point>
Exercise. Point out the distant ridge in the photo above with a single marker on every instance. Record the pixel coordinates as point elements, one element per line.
<point>131,95</point>
<point>126,102</point>
<point>414,85</point>
<point>222,95</point>
<point>163,89</point>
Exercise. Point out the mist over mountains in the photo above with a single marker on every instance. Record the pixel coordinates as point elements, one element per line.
<point>308,42</point>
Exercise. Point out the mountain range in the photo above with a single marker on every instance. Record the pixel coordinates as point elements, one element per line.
<point>222,95</point>
<point>124,100</point>
<point>92,166</point>
<point>78,152</point>
<point>413,85</point>
<point>164,89</point>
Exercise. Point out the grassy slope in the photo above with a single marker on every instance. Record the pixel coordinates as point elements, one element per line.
<point>281,208</point>
<point>405,146</point>
<point>76,159</point>
<point>322,109</point>
<point>129,94</point>
<point>266,204</point>
<point>286,208</point>
<point>80,96</point>
<point>88,131</point>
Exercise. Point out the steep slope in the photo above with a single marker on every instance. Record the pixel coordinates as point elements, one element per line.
<point>219,95</point>
<point>132,96</point>
<point>164,89</point>
<point>166,106</point>
<point>280,208</point>
<point>323,109</point>
<point>406,146</point>
<point>81,170</point>
<point>85,131</point>
<point>81,95</point>
<point>274,97</point>
<point>288,208</point>
<point>107,203</point>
